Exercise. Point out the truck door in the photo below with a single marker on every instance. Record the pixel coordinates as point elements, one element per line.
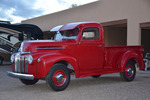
<point>90,51</point>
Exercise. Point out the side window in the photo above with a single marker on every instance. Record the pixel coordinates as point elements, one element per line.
<point>90,34</point>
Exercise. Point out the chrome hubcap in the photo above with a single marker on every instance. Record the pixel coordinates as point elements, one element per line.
<point>130,71</point>
<point>59,77</point>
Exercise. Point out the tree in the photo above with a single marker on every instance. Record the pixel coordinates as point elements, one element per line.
<point>73,5</point>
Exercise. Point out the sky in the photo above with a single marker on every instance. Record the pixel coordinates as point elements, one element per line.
<point>18,10</point>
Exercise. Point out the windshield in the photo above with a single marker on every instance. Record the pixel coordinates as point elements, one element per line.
<point>69,34</point>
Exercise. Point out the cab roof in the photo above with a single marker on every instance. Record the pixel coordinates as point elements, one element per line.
<point>71,26</point>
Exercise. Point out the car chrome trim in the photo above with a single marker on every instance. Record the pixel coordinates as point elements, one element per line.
<point>22,64</point>
<point>21,76</point>
<point>26,65</point>
<point>17,62</point>
<point>23,53</point>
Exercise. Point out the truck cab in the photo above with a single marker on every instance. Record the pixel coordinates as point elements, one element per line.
<point>78,48</point>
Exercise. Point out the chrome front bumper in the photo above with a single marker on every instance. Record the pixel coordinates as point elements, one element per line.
<point>21,76</point>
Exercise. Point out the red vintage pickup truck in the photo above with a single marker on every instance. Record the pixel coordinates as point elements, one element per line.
<point>78,48</point>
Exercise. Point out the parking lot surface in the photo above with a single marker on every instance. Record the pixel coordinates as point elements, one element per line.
<point>107,87</point>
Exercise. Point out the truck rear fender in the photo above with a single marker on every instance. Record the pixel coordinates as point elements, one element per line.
<point>133,56</point>
<point>48,60</point>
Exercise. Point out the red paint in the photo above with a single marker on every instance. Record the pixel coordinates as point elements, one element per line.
<point>88,57</point>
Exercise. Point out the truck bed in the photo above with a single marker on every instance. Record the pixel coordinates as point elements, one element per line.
<point>114,53</point>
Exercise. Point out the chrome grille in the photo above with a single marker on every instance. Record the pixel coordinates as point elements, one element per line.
<point>21,64</point>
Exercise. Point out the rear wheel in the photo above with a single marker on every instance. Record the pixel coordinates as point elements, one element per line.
<point>129,72</point>
<point>29,82</point>
<point>58,78</point>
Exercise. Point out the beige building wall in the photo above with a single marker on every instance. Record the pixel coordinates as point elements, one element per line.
<point>134,11</point>
<point>115,36</point>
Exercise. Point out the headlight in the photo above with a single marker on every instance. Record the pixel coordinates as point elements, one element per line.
<point>30,59</point>
<point>12,58</point>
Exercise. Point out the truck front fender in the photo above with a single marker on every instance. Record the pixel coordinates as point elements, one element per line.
<point>133,56</point>
<point>45,62</point>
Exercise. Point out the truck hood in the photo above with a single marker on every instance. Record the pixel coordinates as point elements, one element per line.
<point>45,45</point>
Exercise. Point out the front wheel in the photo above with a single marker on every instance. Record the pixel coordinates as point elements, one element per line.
<point>58,78</point>
<point>29,82</point>
<point>129,73</point>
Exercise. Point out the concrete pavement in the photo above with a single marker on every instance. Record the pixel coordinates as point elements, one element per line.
<point>107,87</point>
